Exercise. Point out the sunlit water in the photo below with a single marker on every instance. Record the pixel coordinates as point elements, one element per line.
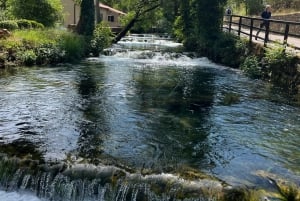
<point>154,110</point>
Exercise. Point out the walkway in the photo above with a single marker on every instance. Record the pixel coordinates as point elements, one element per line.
<point>279,31</point>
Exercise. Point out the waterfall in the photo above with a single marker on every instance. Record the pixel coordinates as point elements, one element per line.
<point>78,182</point>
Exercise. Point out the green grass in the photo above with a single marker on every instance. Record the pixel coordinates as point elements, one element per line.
<point>43,46</point>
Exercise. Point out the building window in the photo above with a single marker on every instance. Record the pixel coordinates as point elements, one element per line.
<point>111,18</point>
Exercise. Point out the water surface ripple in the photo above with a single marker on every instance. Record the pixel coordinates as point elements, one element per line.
<point>152,110</point>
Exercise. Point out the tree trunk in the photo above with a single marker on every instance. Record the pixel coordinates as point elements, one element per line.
<point>125,30</point>
<point>97,7</point>
<point>86,22</point>
<point>131,23</point>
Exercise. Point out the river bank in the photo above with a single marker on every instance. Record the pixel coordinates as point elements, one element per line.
<point>30,47</point>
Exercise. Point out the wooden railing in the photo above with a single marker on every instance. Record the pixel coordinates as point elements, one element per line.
<point>278,31</point>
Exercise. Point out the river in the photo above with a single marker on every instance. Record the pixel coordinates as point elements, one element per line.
<point>141,110</point>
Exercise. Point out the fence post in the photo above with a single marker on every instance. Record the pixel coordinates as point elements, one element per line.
<point>251,30</point>
<point>240,25</point>
<point>286,33</point>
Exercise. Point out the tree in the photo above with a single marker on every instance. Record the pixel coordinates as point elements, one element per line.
<point>142,7</point>
<point>47,12</point>
<point>86,24</point>
<point>98,17</point>
<point>254,7</point>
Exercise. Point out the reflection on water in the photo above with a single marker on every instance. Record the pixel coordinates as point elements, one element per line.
<point>152,110</point>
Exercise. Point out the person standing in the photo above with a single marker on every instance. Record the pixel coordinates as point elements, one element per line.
<point>228,11</point>
<point>266,15</point>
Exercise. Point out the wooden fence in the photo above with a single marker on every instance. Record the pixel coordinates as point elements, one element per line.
<point>278,31</point>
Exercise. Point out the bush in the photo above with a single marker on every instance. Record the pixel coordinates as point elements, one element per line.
<point>47,12</point>
<point>28,57</point>
<point>251,67</point>
<point>49,53</point>
<point>24,24</point>
<point>101,38</point>
<point>73,45</point>
<point>29,24</point>
<point>229,50</point>
<point>277,57</point>
<point>9,24</point>
<point>36,25</point>
<point>20,24</point>
<point>43,47</point>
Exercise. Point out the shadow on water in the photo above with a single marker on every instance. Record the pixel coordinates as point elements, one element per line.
<point>22,148</point>
<point>94,128</point>
<point>176,103</point>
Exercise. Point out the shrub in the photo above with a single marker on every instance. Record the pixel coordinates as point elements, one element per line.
<point>36,25</point>
<point>20,24</point>
<point>28,57</point>
<point>47,12</point>
<point>9,24</point>
<point>229,50</point>
<point>101,38</point>
<point>251,67</point>
<point>24,24</point>
<point>178,30</point>
<point>44,46</point>
<point>277,57</point>
<point>73,45</point>
<point>49,53</point>
<point>29,24</point>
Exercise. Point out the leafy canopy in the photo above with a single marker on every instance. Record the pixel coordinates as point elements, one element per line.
<point>47,12</point>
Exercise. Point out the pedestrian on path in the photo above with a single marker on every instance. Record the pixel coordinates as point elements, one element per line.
<point>266,15</point>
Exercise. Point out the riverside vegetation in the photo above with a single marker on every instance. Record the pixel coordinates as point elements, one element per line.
<point>34,45</point>
<point>273,63</point>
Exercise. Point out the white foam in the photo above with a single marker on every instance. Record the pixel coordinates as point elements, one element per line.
<point>16,196</point>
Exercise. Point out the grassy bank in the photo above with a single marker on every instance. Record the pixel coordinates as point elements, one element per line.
<point>40,47</point>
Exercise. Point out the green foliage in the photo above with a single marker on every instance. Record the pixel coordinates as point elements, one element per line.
<point>198,23</point>
<point>9,24</point>
<point>277,57</point>
<point>231,98</point>
<point>49,53</point>
<point>47,12</point>
<point>254,7</point>
<point>125,19</point>
<point>72,45</point>
<point>224,49</point>
<point>29,24</point>
<point>28,57</point>
<point>20,24</point>
<point>290,192</point>
<point>33,38</point>
<point>242,195</point>
<point>29,47</point>
<point>251,67</point>
<point>101,38</point>
<point>178,29</point>
<point>228,50</point>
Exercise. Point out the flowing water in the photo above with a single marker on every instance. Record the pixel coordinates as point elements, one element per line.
<point>124,126</point>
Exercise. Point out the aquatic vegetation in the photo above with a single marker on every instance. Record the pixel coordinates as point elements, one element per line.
<point>251,67</point>
<point>231,98</point>
<point>289,191</point>
<point>241,194</point>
